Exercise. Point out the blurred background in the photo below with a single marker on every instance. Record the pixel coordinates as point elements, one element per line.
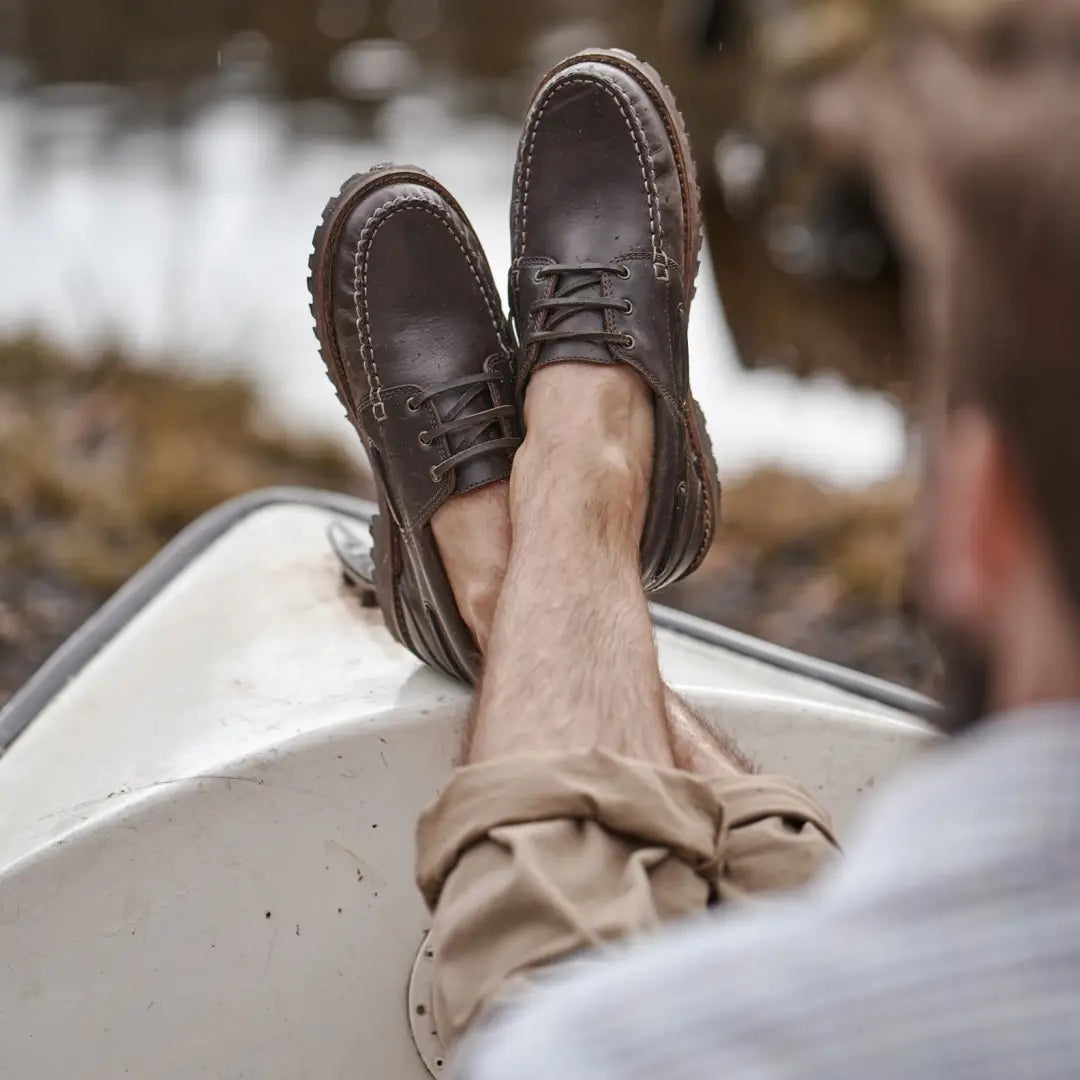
<point>163,164</point>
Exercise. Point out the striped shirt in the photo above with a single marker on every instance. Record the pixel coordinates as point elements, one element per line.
<point>946,944</point>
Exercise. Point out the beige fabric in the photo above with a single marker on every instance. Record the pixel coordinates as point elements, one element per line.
<point>527,860</point>
<point>774,837</point>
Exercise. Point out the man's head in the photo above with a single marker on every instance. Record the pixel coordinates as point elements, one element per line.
<point>975,147</point>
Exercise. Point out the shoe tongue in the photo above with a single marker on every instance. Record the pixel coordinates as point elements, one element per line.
<point>484,468</point>
<point>580,322</point>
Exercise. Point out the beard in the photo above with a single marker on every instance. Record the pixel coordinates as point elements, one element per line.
<point>965,680</point>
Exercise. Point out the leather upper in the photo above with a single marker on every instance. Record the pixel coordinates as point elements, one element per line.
<point>602,212</point>
<point>414,311</point>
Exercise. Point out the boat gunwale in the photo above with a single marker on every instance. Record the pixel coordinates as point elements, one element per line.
<point>131,598</point>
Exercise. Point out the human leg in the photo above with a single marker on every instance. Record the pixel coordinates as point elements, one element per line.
<point>473,534</point>
<point>596,805</point>
<point>571,827</point>
<point>572,663</point>
<point>557,472</point>
<point>696,747</point>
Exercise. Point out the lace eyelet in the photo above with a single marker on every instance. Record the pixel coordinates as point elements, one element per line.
<point>423,439</point>
<point>410,404</point>
<point>623,271</point>
<point>538,276</point>
<point>628,341</point>
<point>628,307</point>
<point>434,474</point>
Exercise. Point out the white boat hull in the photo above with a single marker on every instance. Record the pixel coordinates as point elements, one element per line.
<point>206,837</point>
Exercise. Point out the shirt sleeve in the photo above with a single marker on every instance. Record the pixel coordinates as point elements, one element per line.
<point>946,945</point>
<point>687,1004</point>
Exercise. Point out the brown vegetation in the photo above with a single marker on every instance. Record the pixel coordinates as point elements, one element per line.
<point>817,570</point>
<point>103,462</point>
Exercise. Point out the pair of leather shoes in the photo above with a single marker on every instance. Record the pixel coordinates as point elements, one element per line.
<point>605,229</point>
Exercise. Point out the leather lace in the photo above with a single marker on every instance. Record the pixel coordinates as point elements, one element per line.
<point>476,429</point>
<point>568,299</point>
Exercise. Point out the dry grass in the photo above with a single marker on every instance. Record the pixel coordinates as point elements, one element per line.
<point>860,539</point>
<point>817,570</point>
<point>103,462</point>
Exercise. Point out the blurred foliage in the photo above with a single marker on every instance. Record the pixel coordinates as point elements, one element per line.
<point>803,260</point>
<point>289,47</point>
<point>817,570</point>
<point>861,537</point>
<point>803,264</point>
<point>104,461</point>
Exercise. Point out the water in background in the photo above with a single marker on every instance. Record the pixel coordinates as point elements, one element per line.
<point>192,243</point>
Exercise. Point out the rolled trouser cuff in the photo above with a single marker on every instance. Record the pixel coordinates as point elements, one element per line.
<point>630,797</point>
<point>774,836</point>
<point>527,860</point>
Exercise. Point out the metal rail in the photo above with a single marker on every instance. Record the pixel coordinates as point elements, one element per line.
<point>130,599</point>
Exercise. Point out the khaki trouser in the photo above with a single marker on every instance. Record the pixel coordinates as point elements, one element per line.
<point>525,861</point>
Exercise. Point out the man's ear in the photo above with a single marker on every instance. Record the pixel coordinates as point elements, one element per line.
<point>976,524</point>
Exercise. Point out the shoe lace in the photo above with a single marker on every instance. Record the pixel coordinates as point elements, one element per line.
<point>568,300</point>
<point>478,433</point>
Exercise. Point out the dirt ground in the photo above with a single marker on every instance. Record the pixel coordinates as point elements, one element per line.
<point>103,462</point>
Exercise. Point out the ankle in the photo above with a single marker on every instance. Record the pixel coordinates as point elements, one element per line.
<point>476,598</point>
<point>593,491</point>
<point>473,535</point>
<point>585,405</point>
<point>590,433</point>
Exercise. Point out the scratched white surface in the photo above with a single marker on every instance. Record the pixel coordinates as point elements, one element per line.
<point>257,643</point>
<point>206,841</point>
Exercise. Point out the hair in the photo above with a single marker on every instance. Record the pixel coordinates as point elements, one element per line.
<point>1008,342</point>
<point>1013,331</point>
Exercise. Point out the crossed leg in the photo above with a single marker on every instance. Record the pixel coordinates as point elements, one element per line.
<point>594,805</point>
<point>571,660</point>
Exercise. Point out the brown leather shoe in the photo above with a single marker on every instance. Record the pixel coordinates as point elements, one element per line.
<point>606,234</point>
<point>413,336</point>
